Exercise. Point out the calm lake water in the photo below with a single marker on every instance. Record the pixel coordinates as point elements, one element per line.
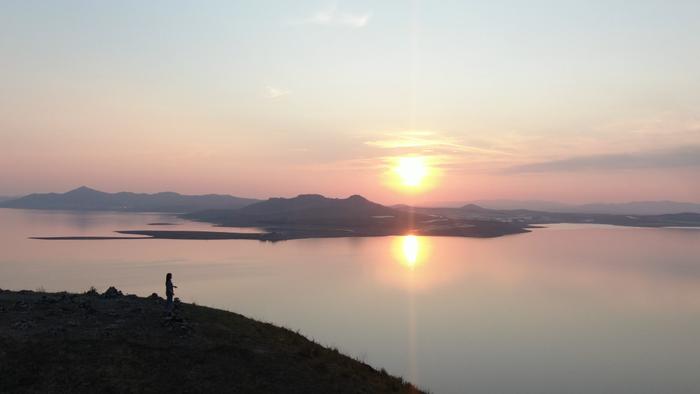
<point>567,309</point>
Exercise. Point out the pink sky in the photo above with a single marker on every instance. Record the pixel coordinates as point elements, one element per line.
<point>276,101</point>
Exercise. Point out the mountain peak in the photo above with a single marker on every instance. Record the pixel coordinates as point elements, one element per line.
<point>310,197</point>
<point>83,189</point>
<point>357,197</point>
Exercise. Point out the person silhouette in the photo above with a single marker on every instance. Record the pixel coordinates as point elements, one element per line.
<point>169,292</point>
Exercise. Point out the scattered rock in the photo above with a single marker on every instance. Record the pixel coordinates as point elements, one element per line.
<point>92,292</point>
<point>154,297</point>
<point>65,297</point>
<point>123,303</point>
<point>171,319</point>
<point>20,306</point>
<point>56,331</point>
<point>48,300</point>
<point>177,324</point>
<point>22,325</point>
<point>112,292</point>
<point>87,307</point>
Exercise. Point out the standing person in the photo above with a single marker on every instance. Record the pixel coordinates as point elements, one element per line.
<point>169,292</point>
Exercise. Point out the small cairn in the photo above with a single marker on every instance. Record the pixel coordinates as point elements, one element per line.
<point>112,292</point>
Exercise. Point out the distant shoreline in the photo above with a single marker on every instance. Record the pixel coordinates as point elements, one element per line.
<point>467,232</point>
<point>291,234</point>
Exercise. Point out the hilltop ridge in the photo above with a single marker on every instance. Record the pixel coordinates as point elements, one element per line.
<point>86,343</point>
<point>354,213</point>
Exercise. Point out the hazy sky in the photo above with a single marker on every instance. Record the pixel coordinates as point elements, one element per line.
<point>576,101</point>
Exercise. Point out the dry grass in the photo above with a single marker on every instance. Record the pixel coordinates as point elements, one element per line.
<point>88,343</point>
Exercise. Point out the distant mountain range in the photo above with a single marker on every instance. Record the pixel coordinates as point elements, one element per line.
<point>87,199</point>
<point>473,212</point>
<point>627,208</point>
<point>316,216</point>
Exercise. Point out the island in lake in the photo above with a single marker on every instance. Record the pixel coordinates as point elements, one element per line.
<point>316,216</point>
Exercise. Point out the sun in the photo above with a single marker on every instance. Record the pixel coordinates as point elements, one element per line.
<point>411,171</point>
<point>412,174</point>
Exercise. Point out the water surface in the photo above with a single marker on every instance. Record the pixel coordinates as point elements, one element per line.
<point>567,309</point>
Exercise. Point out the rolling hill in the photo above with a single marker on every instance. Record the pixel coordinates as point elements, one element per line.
<point>311,210</point>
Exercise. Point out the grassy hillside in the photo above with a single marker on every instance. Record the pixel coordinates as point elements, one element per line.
<point>60,342</point>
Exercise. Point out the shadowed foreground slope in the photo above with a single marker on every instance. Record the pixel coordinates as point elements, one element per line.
<point>60,342</point>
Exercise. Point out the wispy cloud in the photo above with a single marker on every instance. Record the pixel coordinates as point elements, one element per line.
<point>684,156</point>
<point>440,150</point>
<point>332,16</point>
<point>273,93</point>
<point>428,140</point>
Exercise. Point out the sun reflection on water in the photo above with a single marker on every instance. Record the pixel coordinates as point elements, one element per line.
<point>410,248</point>
<point>410,251</point>
<point>414,263</point>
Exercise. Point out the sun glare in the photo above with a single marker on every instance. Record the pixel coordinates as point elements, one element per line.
<point>410,250</point>
<point>411,171</point>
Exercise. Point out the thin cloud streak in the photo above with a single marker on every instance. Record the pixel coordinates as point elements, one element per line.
<point>334,17</point>
<point>684,156</point>
<point>429,140</point>
<point>273,93</point>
